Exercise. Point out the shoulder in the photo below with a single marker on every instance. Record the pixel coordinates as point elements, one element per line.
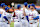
<point>16,10</point>
<point>21,8</point>
<point>35,11</point>
<point>26,10</point>
<point>2,10</point>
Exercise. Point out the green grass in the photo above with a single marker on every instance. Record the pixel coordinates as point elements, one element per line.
<point>38,24</point>
<point>12,24</point>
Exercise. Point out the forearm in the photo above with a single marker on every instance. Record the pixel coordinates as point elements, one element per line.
<point>5,18</point>
<point>36,18</point>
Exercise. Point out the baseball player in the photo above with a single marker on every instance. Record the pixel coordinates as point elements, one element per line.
<point>2,18</point>
<point>3,5</point>
<point>33,16</point>
<point>17,20</point>
<point>9,15</point>
<point>29,12</point>
<point>25,19</point>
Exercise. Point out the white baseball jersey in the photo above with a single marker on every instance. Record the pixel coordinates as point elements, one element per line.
<point>24,20</point>
<point>8,15</point>
<point>26,12</point>
<point>33,14</point>
<point>18,13</point>
<point>1,15</point>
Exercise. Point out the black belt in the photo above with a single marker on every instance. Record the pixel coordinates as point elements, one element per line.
<point>7,23</point>
<point>22,17</point>
<point>35,22</point>
<point>18,21</point>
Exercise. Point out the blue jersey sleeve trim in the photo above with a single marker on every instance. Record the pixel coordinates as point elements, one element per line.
<point>36,18</point>
<point>27,18</point>
<point>5,18</point>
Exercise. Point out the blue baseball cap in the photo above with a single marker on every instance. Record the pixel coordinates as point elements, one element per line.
<point>2,4</point>
<point>25,3</point>
<point>28,6</point>
<point>32,5</point>
<point>18,5</point>
<point>7,8</point>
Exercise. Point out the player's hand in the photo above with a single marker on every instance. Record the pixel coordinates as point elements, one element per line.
<point>8,22</point>
<point>31,19</point>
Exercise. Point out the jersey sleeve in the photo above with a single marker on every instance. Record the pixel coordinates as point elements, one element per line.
<point>4,14</point>
<point>37,17</point>
<point>36,14</point>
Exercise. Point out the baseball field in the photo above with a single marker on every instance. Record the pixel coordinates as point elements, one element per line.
<point>12,24</point>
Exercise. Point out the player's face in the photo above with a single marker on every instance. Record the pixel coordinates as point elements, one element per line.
<point>4,7</point>
<point>31,7</point>
<point>10,10</point>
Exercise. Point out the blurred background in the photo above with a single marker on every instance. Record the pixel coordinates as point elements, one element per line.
<point>8,2</point>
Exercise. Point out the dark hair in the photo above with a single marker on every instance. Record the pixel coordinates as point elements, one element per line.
<point>25,6</point>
